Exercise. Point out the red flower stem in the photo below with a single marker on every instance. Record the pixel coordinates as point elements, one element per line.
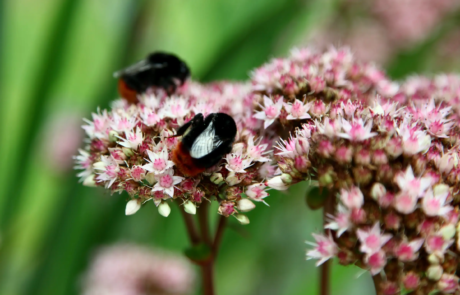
<point>325,267</point>
<point>325,270</point>
<point>207,277</point>
<point>207,267</point>
<point>377,280</point>
<point>190,226</point>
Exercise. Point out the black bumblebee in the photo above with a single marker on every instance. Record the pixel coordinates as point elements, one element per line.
<point>204,142</point>
<point>159,69</point>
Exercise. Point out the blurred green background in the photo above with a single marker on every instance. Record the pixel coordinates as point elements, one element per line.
<point>57,59</point>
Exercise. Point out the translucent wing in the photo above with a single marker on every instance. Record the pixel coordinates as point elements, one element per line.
<point>205,143</point>
<point>140,66</point>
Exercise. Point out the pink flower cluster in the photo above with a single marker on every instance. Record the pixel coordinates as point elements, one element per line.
<point>376,30</point>
<point>130,150</point>
<point>388,157</point>
<point>132,270</point>
<point>386,152</point>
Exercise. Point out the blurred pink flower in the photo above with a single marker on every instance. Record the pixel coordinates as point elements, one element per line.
<point>126,269</point>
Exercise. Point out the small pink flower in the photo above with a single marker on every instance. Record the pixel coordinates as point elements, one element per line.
<point>176,108</point>
<point>405,202</point>
<point>439,128</point>
<point>297,110</point>
<point>413,186</point>
<point>340,222</point>
<point>357,130</point>
<point>414,140</point>
<point>166,182</point>
<point>324,248</point>
<point>435,244</point>
<point>448,283</point>
<point>372,240</point>
<point>318,108</point>
<point>236,163</point>
<point>446,163</point>
<point>132,140</point>
<point>408,251</point>
<point>123,123</point>
<point>256,152</point>
<point>376,261</point>
<point>99,127</point>
<point>118,155</point>
<point>109,168</point>
<point>83,161</point>
<point>267,170</point>
<point>256,192</point>
<point>159,162</point>
<point>434,204</point>
<point>137,173</point>
<point>149,117</point>
<point>287,148</point>
<point>270,112</point>
<point>352,198</point>
<point>330,128</point>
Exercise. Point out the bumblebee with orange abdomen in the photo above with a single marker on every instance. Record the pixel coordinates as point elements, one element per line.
<point>204,142</point>
<point>159,69</point>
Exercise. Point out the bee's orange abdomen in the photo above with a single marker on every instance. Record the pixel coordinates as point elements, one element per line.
<point>184,162</point>
<point>125,92</point>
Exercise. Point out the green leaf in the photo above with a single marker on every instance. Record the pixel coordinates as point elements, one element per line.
<point>198,253</point>
<point>316,197</point>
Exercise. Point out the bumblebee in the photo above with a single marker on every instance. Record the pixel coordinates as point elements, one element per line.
<point>204,142</point>
<point>159,69</point>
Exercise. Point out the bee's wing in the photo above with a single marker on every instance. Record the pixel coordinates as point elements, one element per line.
<point>205,143</point>
<point>140,66</point>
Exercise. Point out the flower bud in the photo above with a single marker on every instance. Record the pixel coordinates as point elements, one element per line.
<point>113,136</point>
<point>89,181</point>
<point>440,189</point>
<point>446,163</point>
<point>238,148</point>
<point>150,177</point>
<point>99,166</point>
<point>302,146</point>
<point>379,157</point>
<point>363,157</point>
<point>164,209</point>
<point>226,208</point>
<point>232,179</point>
<point>434,272</point>
<point>344,154</point>
<point>128,152</point>
<point>132,207</point>
<point>190,208</point>
<point>434,259</point>
<point>245,205</point>
<point>286,178</point>
<point>243,219</point>
<point>411,281</point>
<point>447,231</point>
<point>217,178</point>
<point>378,190</point>
<point>276,183</point>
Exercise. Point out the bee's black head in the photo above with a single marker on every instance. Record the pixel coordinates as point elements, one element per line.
<point>224,125</point>
<point>170,64</point>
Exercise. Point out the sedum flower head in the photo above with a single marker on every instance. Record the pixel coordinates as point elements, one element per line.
<point>130,149</point>
<point>387,158</point>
